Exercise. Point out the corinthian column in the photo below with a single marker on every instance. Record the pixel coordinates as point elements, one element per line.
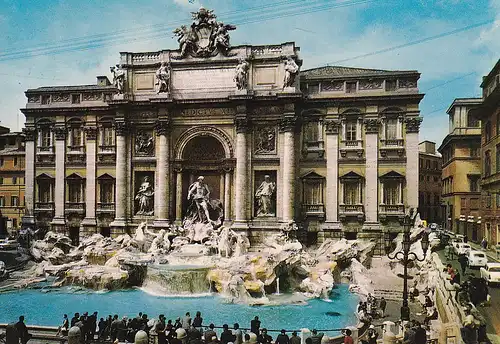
<point>371,199</point>
<point>58,222</point>
<point>29,177</point>
<point>121,178</point>
<point>241,185</point>
<point>89,223</point>
<point>332,171</point>
<point>288,203</point>
<point>412,128</point>
<point>162,172</point>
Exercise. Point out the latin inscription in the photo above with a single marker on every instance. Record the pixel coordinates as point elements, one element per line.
<point>207,112</point>
<point>202,79</point>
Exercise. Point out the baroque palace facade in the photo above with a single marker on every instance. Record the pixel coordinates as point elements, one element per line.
<point>333,149</point>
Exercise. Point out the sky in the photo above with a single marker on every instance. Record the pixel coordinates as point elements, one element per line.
<point>452,43</point>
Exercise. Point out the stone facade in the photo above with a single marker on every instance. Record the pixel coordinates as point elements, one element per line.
<point>461,169</point>
<point>489,114</point>
<point>340,144</point>
<point>429,198</point>
<point>11,181</point>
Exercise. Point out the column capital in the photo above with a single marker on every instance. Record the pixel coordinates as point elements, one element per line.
<point>177,167</point>
<point>60,133</point>
<point>288,123</point>
<point>332,126</point>
<point>162,127</point>
<point>371,125</point>
<point>121,128</point>
<point>91,132</point>
<point>29,134</point>
<point>241,122</point>
<point>413,124</point>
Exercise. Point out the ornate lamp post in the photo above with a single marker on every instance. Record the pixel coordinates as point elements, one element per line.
<point>405,257</point>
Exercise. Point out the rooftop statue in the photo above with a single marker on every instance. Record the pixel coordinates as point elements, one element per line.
<point>162,76</point>
<point>118,78</point>
<point>291,71</point>
<point>205,37</point>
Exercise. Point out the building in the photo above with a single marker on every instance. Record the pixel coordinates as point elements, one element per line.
<point>11,181</point>
<point>429,186</point>
<point>339,144</point>
<point>489,114</point>
<point>461,169</point>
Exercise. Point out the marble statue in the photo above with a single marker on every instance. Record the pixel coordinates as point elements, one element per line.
<point>186,39</point>
<point>242,245</point>
<point>118,78</point>
<point>241,74</point>
<point>144,143</point>
<point>162,84</point>
<point>145,197</point>
<point>224,242</point>
<point>198,194</point>
<point>266,141</point>
<point>264,196</point>
<point>221,37</point>
<point>291,71</point>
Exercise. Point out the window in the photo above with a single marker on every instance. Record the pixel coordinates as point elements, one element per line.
<point>106,194</point>
<point>428,164</point>
<point>420,163</point>
<point>76,137</point>
<point>1,180</point>
<point>14,180</point>
<point>392,192</point>
<point>472,121</point>
<point>488,200</point>
<point>44,191</point>
<point>351,131</point>
<point>2,201</point>
<point>75,99</point>
<point>350,87</point>
<point>428,178</point>
<point>15,161</point>
<point>45,99</point>
<point>487,163</point>
<point>352,192</point>
<point>390,85</point>
<point>487,131</point>
<point>474,152</point>
<point>14,201</point>
<point>391,125</point>
<point>473,183</point>
<point>108,137</point>
<point>75,191</point>
<point>312,131</point>
<point>46,136</point>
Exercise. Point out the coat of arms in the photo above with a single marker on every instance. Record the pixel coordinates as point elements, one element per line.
<point>206,37</point>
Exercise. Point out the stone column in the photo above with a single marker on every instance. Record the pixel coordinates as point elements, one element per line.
<point>121,187</point>
<point>288,128</point>
<point>332,171</point>
<point>412,128</point>
<point>227,195</point>
<point>371,197</point>
<point>89,223</point>
<point>162,175</point>
<point>178,197</point>
<point>58,222</point>
<point>29,177</point>
<point>241,185</point>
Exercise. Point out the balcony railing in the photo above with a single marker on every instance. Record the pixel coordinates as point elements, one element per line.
<point>392,142</point>
<point>352,143</point>
<point>45,149</point>
<point>105,207</point>
<point>76,149</point>
<point>107,149</point>
<point>395,209</point>
<point>351,208</point>
<point>44,206</point>
<point>313,210</point>
<point>74,207</point>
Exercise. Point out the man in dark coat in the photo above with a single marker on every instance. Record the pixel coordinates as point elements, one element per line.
<point>282,338</point>
<point>22,330</point>
<point>255,326</point>
<point>226,335</point>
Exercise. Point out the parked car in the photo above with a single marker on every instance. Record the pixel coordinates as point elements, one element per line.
<point>461,248</point>
<point>476,258</point>
<point>8,244</point>
<point>491,272</point>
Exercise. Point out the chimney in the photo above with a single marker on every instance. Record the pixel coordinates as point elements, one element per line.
<point>103,81</point>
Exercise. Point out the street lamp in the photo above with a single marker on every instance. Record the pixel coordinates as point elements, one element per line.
<point>405,257</point>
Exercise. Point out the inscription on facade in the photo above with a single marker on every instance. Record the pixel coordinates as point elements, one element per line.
<point>196,79</point>
<point>207,112</point>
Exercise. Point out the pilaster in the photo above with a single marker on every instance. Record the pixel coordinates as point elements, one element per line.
<point>332,173</point>
<point>178,194</point>
<point>288,128</point>
<point>89,223</point>
<point>59,222</point>
<point>162,128</point>
<point>120,221</point>
<point>371,198</point>
<point>412,129</point>
<point>29,177</point>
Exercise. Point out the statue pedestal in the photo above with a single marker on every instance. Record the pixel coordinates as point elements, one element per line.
<point>159,97</point>
<point>242,92</point>
<point>240,226</point>
<point>119,96</point>
<point>290,89</point>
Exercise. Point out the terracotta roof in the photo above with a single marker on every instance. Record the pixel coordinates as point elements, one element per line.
<point>339,71</point>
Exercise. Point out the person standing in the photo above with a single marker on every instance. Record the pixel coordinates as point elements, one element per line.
<point>282,338</point>
<point>160,330</point>
<point>296,339</point>
<point>383,305</point>
<point>347,337</point>
<point>197,321</point>
<point>420,334</point>
<point>462,259</point>
<point>237,334</point>
<point>226,335</point>
<point>484,244</point>
<point>372,335</point>
<point>255,326</point>
<point>316,337</point>
<point>22,330</point>
<point>186,321</point>
<point>210,333</point>
<point>63,329</point>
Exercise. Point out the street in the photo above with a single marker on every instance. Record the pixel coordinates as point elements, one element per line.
<point>491,312</point>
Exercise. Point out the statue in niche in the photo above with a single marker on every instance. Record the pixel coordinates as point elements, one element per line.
<point>162,84</point>
<point>241,74</point>
<point>266,141</point>
<point>118,78</point>
<point>145,197</point>
<point>203,215</point>
<point>144,143</point>
<point>264,196</point>
<point>291,71</point>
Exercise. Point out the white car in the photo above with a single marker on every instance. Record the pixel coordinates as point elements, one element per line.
<point>477,258</point>
<point>461,248</point>
<point>491,272</point>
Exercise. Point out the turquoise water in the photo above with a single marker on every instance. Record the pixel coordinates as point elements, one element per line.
<point>47,308</point>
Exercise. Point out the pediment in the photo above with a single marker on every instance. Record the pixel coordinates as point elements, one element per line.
<point>351,175</point>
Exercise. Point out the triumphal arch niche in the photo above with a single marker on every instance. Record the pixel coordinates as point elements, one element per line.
<point>331,149</point>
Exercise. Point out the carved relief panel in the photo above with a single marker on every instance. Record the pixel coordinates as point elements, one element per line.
<point>265,140</point>
<point>144,143</point>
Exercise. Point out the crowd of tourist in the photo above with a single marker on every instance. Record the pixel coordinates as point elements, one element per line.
<point>371,309</point>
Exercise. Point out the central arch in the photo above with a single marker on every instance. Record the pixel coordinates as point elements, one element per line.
<point>204,131</point>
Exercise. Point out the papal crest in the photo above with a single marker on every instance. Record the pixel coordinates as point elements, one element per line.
<point>206,37</point>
